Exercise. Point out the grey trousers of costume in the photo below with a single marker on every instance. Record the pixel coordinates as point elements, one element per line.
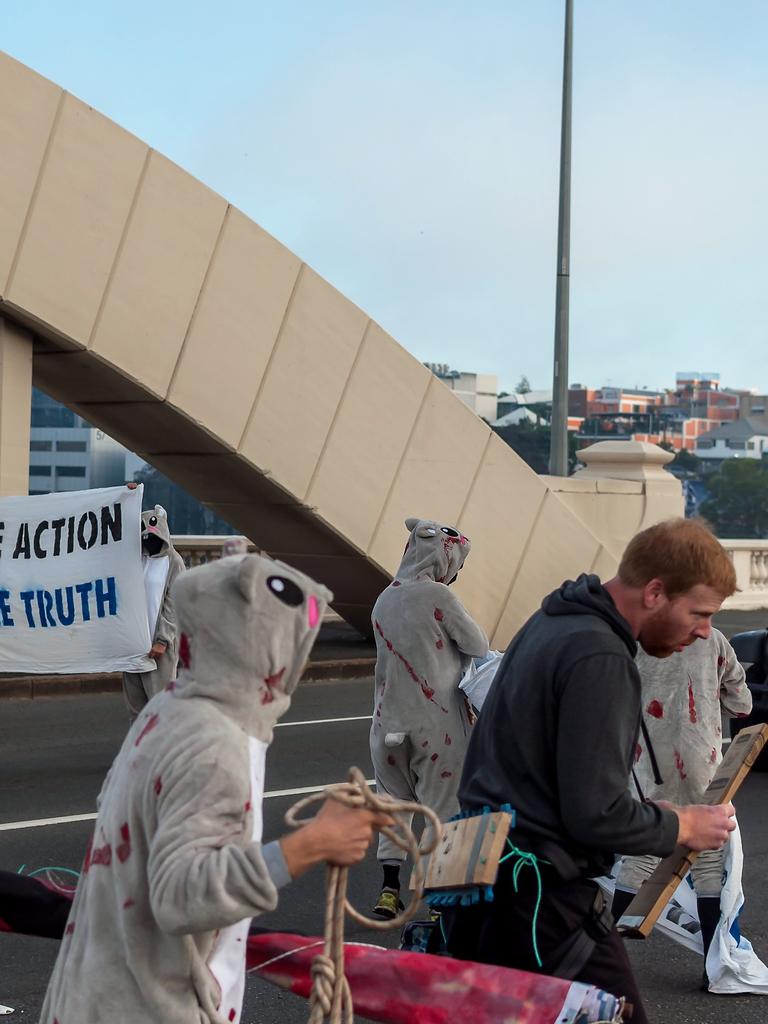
<point>706,872</point>
<point>140,687</point>
<point>423,768</point>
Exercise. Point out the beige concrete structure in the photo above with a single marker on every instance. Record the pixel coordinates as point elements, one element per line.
<point>15,407</point>
<point>167,318</point>
<point>621,489</point>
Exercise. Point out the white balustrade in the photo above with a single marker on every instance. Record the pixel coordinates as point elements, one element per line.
<point>750,559</point>
<point>197,550</point>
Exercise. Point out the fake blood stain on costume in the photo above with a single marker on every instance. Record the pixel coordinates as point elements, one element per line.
<point>123,851</point>
<point>150,725</point>
<point>428,692</point>
<point>275,679</point>
<point>691,702</point>
<point>185,652</point>
<point>655,709</point>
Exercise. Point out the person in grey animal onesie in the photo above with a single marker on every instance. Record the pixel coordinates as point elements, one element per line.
<point>684,698</point>
<point>420,728</point>
<point>161,564</point>
<point>176,868</point>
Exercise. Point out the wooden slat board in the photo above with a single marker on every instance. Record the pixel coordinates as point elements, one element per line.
<point>654,894</point>
<point>468,852</point>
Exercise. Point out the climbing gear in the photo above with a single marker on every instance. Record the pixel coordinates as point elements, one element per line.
<point>526,859</point>
<point>463,868</point>
<point>567,959</point>
<point>331,998</point>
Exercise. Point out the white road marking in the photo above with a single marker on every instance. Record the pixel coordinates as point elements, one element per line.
<point>326,721</point>
<point>12,826</point>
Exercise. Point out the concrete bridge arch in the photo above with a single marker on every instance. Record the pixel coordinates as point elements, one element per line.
<point>163,315</point>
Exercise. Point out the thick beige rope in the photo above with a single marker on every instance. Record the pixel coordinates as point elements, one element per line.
<point>331,998</point>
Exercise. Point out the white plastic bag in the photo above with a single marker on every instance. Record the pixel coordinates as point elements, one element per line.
<point>478,677</point>
<point>733,967</point>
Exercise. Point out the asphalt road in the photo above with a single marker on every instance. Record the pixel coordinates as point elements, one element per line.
<point>54,755</point>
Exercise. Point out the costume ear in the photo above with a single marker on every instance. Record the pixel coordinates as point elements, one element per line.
<point>160,511</point>
<point>411,522</point>
<point>247,576</point>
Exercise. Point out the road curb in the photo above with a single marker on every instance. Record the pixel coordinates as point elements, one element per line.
<point>36,687</point>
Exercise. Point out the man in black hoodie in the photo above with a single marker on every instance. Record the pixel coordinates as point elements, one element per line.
<point>556,740</point>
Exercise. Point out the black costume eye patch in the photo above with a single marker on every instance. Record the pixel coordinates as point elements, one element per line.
<point>153,520</point>
<point>449,532</point>
<point>285,590</point>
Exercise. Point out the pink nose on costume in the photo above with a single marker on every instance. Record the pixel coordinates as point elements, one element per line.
<point>314,612</point>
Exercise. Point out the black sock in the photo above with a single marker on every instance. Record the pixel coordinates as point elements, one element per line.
<point>391,876</point>
<point>708,908</point>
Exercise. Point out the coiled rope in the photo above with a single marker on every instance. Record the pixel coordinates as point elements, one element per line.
<point>331,998</point>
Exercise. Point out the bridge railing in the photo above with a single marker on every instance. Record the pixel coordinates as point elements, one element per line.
<point>196,550</point>
<point>750,560</point>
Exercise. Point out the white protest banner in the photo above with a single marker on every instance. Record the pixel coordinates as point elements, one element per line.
<point>71,585</point>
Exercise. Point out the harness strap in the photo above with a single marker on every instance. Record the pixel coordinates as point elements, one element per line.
<point>651,754</point>
<point>568,959</point>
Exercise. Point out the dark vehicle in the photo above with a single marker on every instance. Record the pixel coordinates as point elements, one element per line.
<point>752,651</point>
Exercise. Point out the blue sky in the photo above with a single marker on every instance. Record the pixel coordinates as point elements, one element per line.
<point>409,152</point>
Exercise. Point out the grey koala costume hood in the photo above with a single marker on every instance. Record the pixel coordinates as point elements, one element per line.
<point>420,727</point>
<point>161,564</point>
<point>176,867</point>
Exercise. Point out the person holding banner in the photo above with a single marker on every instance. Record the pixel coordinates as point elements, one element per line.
<point>161,564</point>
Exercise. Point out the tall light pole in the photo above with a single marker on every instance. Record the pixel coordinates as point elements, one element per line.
<point>558,444</point>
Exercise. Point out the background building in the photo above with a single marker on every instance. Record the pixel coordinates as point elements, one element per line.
<point>477,390</point>
<point>742,439</point>
<point>68,454</point>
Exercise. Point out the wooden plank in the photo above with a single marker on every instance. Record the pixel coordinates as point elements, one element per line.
<point>468,852</point>
<point>654,894</point>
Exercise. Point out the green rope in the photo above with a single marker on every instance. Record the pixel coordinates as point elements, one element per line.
<point>64,871</point>
<point>525,859</point>
<point>41,871</point>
